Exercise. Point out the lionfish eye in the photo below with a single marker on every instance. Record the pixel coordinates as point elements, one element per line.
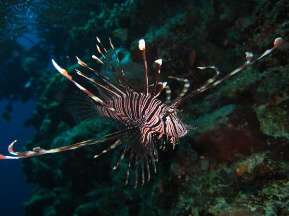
<point>164,118</point>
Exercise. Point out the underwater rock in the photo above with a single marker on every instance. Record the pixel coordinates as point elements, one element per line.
<point>42,198</point>
<point>274,119</point>
<point>260,168</point>
<point>231,136</point>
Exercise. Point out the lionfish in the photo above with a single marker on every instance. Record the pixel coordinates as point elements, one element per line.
<point>146,119</point>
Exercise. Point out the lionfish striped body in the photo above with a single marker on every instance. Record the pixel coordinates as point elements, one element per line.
<point>146,118</point>
<point>146,113</point>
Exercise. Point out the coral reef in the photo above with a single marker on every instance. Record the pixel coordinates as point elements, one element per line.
<point>234,163</point>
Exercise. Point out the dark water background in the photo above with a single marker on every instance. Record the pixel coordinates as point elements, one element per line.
<point>14,189</point>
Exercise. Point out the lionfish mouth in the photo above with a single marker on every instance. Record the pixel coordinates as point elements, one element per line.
<point>146,118</point>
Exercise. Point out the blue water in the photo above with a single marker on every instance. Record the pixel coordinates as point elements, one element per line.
<point>13,188</point>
